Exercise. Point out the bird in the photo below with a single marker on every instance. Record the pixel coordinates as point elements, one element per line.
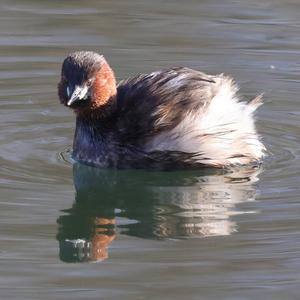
<point>174,118</point>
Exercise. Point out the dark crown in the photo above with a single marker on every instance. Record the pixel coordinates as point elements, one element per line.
<point>81,65</point>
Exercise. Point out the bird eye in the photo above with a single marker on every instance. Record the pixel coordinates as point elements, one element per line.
<point>90,82</point>
<point>65,80</point>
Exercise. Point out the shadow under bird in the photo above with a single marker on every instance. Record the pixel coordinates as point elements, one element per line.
<point>168,119</point>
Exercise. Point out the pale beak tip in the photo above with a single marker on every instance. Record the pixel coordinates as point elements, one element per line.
<point>79,93</point>
<point>69,103</point>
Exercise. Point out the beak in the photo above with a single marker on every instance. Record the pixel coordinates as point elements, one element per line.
<point>79,93</point>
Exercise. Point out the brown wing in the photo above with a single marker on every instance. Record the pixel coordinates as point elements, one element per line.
<point>151,103</point>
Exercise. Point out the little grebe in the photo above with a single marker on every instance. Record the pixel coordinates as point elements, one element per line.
<point>173,118</point>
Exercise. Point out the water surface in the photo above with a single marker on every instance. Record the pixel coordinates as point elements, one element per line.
<point>155,235</point>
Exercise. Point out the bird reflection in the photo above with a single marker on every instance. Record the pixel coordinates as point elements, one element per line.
<point>156,205</point>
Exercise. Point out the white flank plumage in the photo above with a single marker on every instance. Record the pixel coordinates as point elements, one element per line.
<point>222,133</point>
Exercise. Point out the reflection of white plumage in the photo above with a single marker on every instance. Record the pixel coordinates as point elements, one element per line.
<point>204,208</point>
